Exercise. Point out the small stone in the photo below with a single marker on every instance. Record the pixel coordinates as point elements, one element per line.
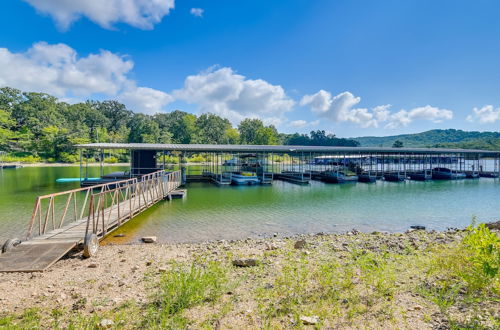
<point>245,262</point>
<point>417,307</point>
<point>300,244</point>
<point>149,263</point>
<point>106,324</point>
<point>134,268</point>
<point>271,246</point>
<point>149,239</point>
<point>162,270</point>
<point>309,320</point>
<point>93,265</point>
<point>121,283</point>
<point>275,235</point>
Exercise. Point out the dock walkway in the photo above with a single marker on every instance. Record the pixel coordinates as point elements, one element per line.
<point>56,228</point>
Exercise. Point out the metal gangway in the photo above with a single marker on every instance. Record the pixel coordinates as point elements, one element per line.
<point>80,218</point>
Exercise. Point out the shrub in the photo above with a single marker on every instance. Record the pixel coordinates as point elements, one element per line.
<point>111,160</point>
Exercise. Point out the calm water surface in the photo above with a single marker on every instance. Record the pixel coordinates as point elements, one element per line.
<point>210,212</point>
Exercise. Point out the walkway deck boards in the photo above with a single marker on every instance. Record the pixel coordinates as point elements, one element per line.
<point>34,257</point>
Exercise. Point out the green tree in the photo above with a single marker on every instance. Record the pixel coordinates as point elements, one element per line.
<point>266,135</point>
<point>231,136</point>
<point>248,130</point>
<point>180,124</point>
<point>397,144</point>
<point>211,128</point>
<point>6,133</point>
<point>143,129</point>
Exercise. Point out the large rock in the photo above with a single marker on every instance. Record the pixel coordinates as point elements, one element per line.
<point>245,262</point>
<point>493,225</point>
<point>300,244</point>
<point>309,320</point>
<point>149,239</point>
<point>106,324</point>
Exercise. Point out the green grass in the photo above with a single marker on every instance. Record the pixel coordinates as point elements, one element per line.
<point>457,282</point>
<point>183,287</point>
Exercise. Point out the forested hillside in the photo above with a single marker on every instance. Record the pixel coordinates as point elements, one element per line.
<point>36,127</point>
<point>437,138</point>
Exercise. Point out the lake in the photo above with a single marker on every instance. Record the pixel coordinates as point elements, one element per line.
<point>210,212</point>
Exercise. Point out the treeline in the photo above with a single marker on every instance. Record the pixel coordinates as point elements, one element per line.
<point>38,126</point>
<point>447,138</point>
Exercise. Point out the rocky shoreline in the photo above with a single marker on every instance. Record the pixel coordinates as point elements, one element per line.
<point>126,274</point>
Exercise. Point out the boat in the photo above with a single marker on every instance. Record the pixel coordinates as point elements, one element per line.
<point>367,178</point>
<point>395,177</point>
<point>443,173</point>
<point>488,175</point>
<point>230,162</point>
<point>244,178</point>
<point>472,175</point>
<point>338,177</point>
<point>421,175</point>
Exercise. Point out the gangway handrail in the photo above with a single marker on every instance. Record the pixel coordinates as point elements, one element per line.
<point>48,219</point>
<point>109,209</point>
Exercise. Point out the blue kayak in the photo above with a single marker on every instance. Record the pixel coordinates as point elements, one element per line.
<point>62,180</point>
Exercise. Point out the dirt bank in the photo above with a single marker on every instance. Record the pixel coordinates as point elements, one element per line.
<point>352,280</point>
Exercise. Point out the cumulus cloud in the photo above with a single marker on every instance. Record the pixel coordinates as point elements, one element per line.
<point>403,118</point>
<point>145,99</point>
<point>233,96</point>
<point>58,70</point>
<point>298,123</point>
<point>142,14</point>
<point>485,115</point>
<point>302,123</point>
<point>342,108</point>
<point>198,12</point>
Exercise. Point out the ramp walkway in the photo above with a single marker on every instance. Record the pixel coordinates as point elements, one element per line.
<point>63,221</point>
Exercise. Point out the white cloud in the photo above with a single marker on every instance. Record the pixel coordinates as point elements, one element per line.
<point>145,99</point>
<point>298,123</point>
<point>485,115</point>
<point>142,14</point>
<point>302,123</point>
<point>342,108</point>
<point>403,118</point>
<point>58,70</point>
<point>235,97</point>
<point>320,101</point>
<point>198,12</point>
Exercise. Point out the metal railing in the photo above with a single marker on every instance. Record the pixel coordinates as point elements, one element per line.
<point>54,211</point>
<point>109,209</point>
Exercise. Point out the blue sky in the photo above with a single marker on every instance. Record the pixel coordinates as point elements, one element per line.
<point>350,67</point>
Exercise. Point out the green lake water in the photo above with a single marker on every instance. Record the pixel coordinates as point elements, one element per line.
<point>210,212</point>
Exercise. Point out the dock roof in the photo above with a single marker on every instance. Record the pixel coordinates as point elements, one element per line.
<point>278,148</point>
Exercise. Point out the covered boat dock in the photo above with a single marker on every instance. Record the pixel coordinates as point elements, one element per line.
<point>226,164</point>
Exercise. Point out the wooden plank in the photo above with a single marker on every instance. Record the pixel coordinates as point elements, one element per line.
<point>33,257</point>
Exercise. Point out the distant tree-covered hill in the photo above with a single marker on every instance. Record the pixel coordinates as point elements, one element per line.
<point>451,138</point>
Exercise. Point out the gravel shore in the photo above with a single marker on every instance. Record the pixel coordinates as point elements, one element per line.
<point>127,273</point>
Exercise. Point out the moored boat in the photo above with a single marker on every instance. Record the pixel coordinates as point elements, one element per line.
<point>421,175</point>
<point>338,177</point>
<point>244,178</point>
<point>472,175</point>
<point>395,177</point>
<point>443,173</point>
<point>367,178</point>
